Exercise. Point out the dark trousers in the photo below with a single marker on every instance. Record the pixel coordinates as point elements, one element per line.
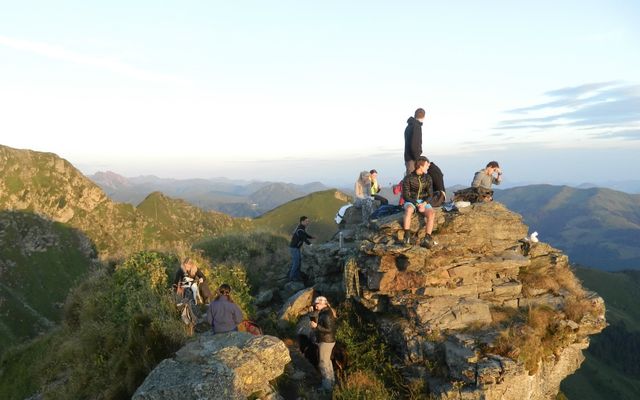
<point>296,261</point>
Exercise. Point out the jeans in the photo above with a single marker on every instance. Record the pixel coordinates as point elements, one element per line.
<point>326,367</point>
<point>296,261</point>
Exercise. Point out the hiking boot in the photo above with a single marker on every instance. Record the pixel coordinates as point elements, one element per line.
<point>406,241</point>
<point>428,242</point>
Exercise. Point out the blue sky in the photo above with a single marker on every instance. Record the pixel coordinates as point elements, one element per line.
<point>302,91</point>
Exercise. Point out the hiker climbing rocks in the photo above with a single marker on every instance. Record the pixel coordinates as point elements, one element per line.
<point>299,238</point>
<point>362,190</point>
<point>413,140</point>
<point>491,174</point>
<point>417,192</point>
<point>189,268</point>
<point>375,188</point>
<point>325,328</point>
<point>223,314</point>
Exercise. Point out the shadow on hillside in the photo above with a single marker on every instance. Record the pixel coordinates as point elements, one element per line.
<point>40,261</point>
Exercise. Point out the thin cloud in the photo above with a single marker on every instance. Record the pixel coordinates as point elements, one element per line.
<point>610,109</point>
<point>105,63</point>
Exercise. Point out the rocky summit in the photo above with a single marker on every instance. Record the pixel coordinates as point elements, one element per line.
<point>485,314</point>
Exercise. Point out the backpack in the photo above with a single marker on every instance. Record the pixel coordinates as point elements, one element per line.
<point>473,195</point>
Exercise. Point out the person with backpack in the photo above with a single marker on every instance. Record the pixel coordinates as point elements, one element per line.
<point>223,314</point>
<point>299,238</point>
<point>491,174</point>
<point>375,188</point>
<point>417,191</point>
<point>190,268</point>
<point>325,330</point>
<point>413,140</point>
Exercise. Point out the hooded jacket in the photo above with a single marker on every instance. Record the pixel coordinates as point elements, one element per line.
<point>412,139</point>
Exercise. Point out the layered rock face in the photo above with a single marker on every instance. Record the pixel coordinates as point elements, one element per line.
<point>233,365</point>
<point>483,315</point>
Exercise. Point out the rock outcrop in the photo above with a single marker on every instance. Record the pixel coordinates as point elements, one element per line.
<point>225,366</point>
<point>483,315</point>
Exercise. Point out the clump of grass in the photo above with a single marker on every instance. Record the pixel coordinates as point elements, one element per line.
<point>361,385</point>
<point>540,334</point>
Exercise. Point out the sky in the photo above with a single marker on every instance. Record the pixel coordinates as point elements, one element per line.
<point>302,91</point>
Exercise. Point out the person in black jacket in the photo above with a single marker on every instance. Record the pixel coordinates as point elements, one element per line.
<point>325,329</point>
<point>417,191</point>
<point>413,140</point>
<point>299,238</point>
<point>439,193</point>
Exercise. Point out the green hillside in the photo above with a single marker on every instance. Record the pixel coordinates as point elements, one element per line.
<point>612,366</point>
<point>39,261</point>
<point>598,227</point>
<point>320,207</point>
<point>55,221</point>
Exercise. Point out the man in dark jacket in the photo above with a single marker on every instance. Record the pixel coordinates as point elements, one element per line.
<point>299,237</point>
<point>437,177</point>
<point>413,140</point>
<point>417,190</point>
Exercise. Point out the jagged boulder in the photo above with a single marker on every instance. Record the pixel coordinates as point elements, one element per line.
<point>234,365</point>
<point>470,318</point>
<point>296,305</point>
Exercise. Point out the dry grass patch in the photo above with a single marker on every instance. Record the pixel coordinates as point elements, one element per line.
<point>540,335</point>
<point>361,385</point>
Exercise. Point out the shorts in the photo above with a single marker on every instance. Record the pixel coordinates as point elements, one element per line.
<point>408,204</point>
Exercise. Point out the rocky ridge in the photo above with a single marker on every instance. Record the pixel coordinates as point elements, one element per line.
<point>484,315</point>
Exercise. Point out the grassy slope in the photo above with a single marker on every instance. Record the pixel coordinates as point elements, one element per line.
<point>35,283</point>
<point>598,378</point>
<point>599,227</point>
<point>320,207</point>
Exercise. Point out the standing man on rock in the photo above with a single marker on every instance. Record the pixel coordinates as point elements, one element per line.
<point>413,140</point>
<point>299,238</point>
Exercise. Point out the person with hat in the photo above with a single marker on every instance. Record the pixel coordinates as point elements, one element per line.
<point>325,328</point>
<point>417,190</point>
<point>491,174</point>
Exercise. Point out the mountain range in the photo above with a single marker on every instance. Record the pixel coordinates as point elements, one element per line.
<point>236,198</point>
<point>595,227</point>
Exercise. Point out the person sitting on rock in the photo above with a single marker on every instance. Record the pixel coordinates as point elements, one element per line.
<point>375,188</point>
<point>190,268</point>
<point>325,328</point>
<point>491,174</point>
<point>417,190</point>
<point>223,314</point>
<point>363,198</point>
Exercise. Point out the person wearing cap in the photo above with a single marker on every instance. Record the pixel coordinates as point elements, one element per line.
<point>375,187</point>
<point>413,140</point>
<point>299,238</point>
<point>491,174</point>
<point>223,313</point>
<point>417,190</point>
<point>325,329</point>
